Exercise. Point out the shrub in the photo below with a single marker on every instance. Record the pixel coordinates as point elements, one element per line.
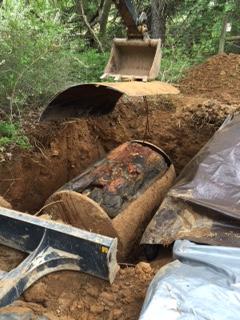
<point>34,62</point>
<point>89,66</point>
<point>11,134</point>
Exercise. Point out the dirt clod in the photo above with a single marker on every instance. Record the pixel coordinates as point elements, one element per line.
<point>93,292</point>
<point>96,309</point>
<point>38,295</point>
<point>143,268</point>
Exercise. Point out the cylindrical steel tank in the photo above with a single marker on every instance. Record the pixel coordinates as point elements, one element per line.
<point>118,195</point>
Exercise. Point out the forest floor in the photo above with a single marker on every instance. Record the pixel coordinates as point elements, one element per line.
<point>180,125</point>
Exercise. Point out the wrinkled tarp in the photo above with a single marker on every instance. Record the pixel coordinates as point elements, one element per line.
<point>202,284</point>
<point>204,204</point>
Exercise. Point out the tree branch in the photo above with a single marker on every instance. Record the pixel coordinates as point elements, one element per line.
<point>233,38</point>
<point>104,17</point>
<point>82,14</point>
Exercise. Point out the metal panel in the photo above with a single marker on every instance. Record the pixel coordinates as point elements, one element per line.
<point>52,247</point>
<point>96,99</point>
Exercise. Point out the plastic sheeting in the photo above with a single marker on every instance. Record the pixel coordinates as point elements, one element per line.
<point>202,284</point>
<point>204,204</point>
<point>212,178</point>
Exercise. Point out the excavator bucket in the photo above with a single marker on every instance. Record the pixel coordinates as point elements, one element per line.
<point>134,60</point>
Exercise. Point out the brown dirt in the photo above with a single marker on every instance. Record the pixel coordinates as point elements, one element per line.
<point>62,151</point>
<point>180,125</point>
<point>89,298</point>
<point>59,153</point>
<point>218,77</point>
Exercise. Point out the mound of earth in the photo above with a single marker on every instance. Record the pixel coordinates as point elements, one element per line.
<point>218,77</point>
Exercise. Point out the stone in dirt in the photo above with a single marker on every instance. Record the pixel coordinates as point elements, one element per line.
<point>143,267</point>
<point>4,203</point>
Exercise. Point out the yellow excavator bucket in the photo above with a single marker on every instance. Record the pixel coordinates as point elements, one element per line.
<point>134,60</point>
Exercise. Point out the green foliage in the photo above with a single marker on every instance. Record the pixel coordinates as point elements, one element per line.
<point>197,26</point>
<point>34,62</point>
<point>46,45</point>
<point>11,134</point>
<point>89,66</point>
<point>193,35</point>
<point>175,61</point>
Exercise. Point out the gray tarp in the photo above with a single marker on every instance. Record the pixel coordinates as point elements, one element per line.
<point>204,204</point>
<point>212,178</point>
<point>202,284</point>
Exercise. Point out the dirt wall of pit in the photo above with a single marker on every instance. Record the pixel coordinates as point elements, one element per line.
<point>179,125</point>
<point>62,151</point>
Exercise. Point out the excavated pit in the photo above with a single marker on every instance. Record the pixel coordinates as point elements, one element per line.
<point>180,125</point>
<point>63,151</point>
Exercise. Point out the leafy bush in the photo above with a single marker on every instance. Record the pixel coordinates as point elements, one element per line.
<point>176,60</point>
<point>11,134</point>
<point>34,62</point>
<point>173,65</point>
<point>89,66</point>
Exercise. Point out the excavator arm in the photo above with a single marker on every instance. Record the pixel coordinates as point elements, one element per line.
<point>130,18</point>
<point>136,59</point>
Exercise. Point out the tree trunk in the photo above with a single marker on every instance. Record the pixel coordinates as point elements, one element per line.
<point>159,19</point>
<point>223,35</point>
<point>104,17</point>
<point>233,38</point>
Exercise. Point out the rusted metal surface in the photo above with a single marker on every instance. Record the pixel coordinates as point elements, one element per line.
<point>96,99</point>
<point>204,204</point>
<point>116,180</point>
<point>177,219</point>
<point>118,195</point>
<point>139,89</point>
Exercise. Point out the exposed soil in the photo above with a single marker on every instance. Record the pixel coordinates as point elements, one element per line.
<point>77,296</point>
<point>62,151</point>
<point>180,125</point>
<point>218,78</point>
